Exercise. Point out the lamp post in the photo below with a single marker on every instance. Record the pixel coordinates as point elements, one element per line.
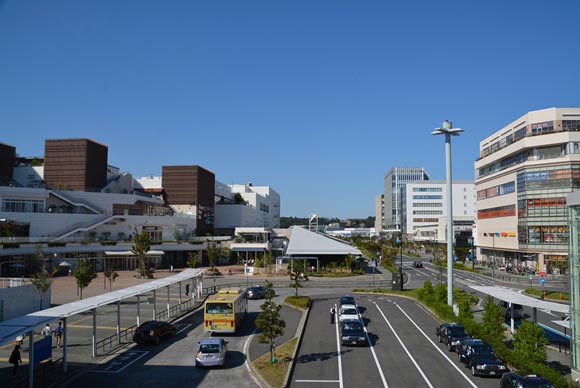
<point>493,255</point>
<point>449,131</point>
<point>471,252</point>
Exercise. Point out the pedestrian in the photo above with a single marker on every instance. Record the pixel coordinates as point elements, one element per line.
<point>171,269</point>
<point>15,359</point>
<point>69,272</point>
<point>58,333</point>
<point>186,289</point>
<point>332,314</point>
<point>46,331</point>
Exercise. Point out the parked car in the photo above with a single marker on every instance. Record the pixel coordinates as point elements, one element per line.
<point>417,264</point>
<point>347,299</point>
<point>482,360</point>
<point>514,380</point>
<point>451,334</point>
<point>461,348</point>
<point>518,310</point>
<point>211,352</point>
<point>352,332</point>
<point>256,292</point>
<point>347,311</point>
<point>153,331</point>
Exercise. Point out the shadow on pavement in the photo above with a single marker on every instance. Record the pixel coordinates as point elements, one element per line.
<point>306,358</point>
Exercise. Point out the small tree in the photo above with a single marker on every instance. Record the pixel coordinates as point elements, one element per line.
<point>111,276</point>
<point>530,342</point>
<point>267,261</point>
<point>141,245</point>
<point>492,325</point>
<point>214,252</point>
<point>269,321</point>
<point>84,273</point>
<point>42,281</point>
<point>193,261</point>
<point>349,261</point>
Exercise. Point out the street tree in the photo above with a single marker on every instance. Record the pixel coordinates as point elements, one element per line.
<point>111,276</point>
<point>141,245</point>
<point>269,321</point>
<point>84,274</point>
<point>493,321</point>
<point>193,261</point>
<point>214,252</point>
<point>42,281</point>
<point>530,342</point>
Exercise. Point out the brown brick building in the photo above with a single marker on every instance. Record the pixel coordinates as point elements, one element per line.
<point>75,164</point>
<point>191,189</point>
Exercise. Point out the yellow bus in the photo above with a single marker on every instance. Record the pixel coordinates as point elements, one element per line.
<point>224,311</point>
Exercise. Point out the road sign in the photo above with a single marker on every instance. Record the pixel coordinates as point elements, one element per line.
<point>542,281</point>
<point>542,274</point>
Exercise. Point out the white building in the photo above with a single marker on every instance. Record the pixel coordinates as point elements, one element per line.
<point>255,206</point>
<point>395,180</point>
<point>425,203</point>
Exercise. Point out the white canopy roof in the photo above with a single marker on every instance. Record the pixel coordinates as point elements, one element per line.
<point>130,253</point>
<point>14,327</point>
<point>511,296</point>
<point>306,243</point>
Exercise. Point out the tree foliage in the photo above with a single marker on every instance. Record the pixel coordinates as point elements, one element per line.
<point>42,281</point>
<point>84,274</point>
<point>214,252</point>
<point>493,321</point>
<point>269,321</point>
<point>111,276</point>
<point>530,342</point>
<point>141,245</point>
<point>193,261</point>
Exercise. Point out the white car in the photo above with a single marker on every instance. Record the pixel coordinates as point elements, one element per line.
<point>211,352</point>
<point>348,311</point>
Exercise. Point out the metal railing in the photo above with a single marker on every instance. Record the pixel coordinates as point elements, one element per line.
<point>45,374</point>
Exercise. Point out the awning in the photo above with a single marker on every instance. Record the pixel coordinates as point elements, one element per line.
<point>130,253</point>
<point>64,264</point>
<point>517,298</point>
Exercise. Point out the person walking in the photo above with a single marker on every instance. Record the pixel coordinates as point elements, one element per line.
<point>15,359</point>
<point>46,331</point>
<point>58,333</point>
<point>332,314</point>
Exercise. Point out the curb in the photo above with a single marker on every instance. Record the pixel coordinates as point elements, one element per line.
<point>300,335</point>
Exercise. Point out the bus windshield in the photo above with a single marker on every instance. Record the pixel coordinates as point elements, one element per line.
<point>219,308</point>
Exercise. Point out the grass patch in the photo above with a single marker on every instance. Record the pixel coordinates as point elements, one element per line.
<point>301,302</point>
<point>275,373</point>
<point>555,295</point>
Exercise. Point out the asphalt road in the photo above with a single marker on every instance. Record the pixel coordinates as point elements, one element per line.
<point>404,351</point>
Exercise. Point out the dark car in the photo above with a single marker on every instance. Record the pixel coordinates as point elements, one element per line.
<point>352,332</point>
<point>153,331</point>
<point>461,348</point>
<point>514,380</point>
<point>451,334</point>
<point>347,299</point>
<point>417,264</point>
<point>256,292</point>
<point>482,360</point>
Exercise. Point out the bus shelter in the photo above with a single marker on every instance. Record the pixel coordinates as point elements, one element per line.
<point>26,324</point>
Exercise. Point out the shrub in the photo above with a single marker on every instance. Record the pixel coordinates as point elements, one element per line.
<point>298,301</point>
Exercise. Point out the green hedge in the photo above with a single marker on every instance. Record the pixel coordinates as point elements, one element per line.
<point>10,245</point>
<point>298,301</point>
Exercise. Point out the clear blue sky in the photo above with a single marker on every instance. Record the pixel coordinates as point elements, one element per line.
<point>317,99</point>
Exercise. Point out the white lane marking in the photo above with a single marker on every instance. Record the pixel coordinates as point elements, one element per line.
<point>113,363</point>
<point>374,353</point>
<point>340,383</point>
<point>436,347</point>
<point>404,347</point>
<point>186,326</point>
<point>316,381</point>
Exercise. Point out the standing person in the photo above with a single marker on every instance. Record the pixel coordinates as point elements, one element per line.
<point>15,359</point>
<point>332,313</point>
<point>46,331</point>
<point>186,289</point>
<point>171,269</point>
<point>58,332</point>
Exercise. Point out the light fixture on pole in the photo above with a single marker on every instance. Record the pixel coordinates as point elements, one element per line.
<point>449,131</point>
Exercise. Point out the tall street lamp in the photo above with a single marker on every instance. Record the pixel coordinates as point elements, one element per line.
<point>449,131</point>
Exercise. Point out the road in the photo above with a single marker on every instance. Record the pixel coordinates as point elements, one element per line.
<point>404,351</point>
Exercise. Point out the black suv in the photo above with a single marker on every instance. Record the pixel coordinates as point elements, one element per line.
<point>482,360</point>
<point>417,264</point>
<point>347,299</point>
<point>352,332</point>
<point>257,292</point>
<point>513,380</point>
<point>451,334</point>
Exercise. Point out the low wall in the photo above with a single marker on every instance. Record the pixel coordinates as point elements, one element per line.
<point>17,299</point>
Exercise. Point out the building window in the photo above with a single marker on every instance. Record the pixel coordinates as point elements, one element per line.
<point>540,128</point>
<point>495,212</point>
<point>427,197</point>
<point>427,189</point>
<point>22,206</point>
<point>571,125</point>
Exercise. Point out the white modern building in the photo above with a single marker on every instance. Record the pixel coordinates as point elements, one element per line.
<point>379,213</point>
<point>246,206</point>
<point>395,180</point>
<point>425,204</point>
<point>523,174</point>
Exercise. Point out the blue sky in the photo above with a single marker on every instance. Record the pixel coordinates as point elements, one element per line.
<point>317,99</point>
